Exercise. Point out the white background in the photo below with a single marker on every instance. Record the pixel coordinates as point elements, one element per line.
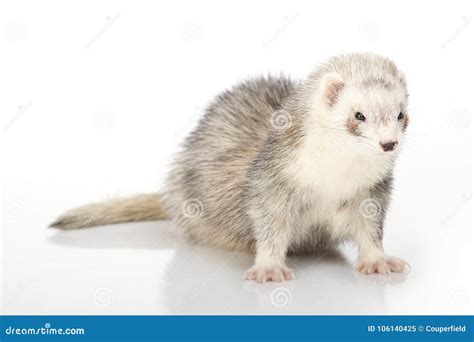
<point>96,96</point>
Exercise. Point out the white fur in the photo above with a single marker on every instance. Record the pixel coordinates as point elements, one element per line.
<point>336,166</point>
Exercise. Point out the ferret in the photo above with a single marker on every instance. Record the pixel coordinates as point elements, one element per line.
<point>277,167</point>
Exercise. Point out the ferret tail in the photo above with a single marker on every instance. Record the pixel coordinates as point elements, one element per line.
<point>146,207</point>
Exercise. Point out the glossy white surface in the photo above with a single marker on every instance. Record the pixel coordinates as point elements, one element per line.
<point>147,268</point>
<point>96,97</point>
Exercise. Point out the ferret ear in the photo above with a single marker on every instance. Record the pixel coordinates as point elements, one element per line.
<point>331,86</point>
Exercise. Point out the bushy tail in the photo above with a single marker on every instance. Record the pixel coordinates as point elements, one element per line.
<point>147,207</point>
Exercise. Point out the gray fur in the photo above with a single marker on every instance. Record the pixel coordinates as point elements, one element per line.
<point>221,156</point>
<point>231,168</point>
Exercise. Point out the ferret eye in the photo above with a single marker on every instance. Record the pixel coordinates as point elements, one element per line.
<point>400,116</point>
<point>360,116</point>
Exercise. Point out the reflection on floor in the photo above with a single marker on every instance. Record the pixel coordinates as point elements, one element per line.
<point>148,268</point>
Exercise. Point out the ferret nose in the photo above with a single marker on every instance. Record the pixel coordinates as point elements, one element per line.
<point>388,146</point>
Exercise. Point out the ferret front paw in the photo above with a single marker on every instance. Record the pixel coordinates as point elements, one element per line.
<point>383,265</point>
<point>262,274</point>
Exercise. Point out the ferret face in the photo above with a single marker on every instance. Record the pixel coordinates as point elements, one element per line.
<point>375,119</point>
<point>370,118</point>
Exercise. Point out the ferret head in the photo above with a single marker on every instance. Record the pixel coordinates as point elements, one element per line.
<point>364,98</point>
